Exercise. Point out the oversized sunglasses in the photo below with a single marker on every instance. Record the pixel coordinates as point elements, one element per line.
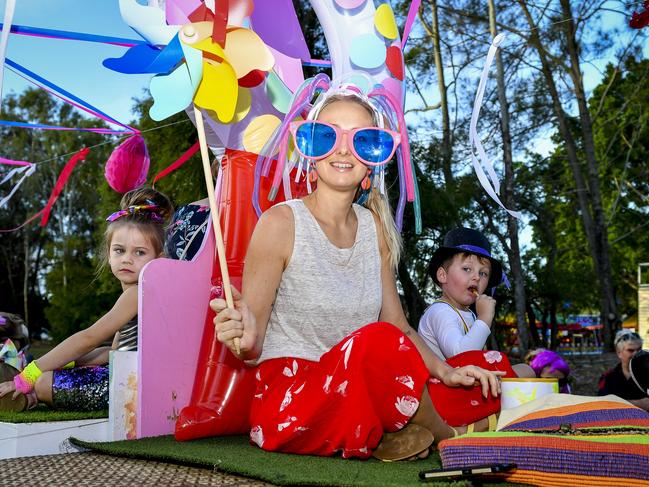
<point>373,146</point>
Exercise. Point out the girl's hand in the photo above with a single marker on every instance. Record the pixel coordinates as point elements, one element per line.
<point>485,307</point>
<point>471,375</point>
<point>7,387</point>
<point>235,323</point>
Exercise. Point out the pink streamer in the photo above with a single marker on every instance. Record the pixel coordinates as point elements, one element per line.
<point>412,12</point>
<point>11,162</point>
<point>10,7</point>
<point>79,106</point>
<point>405,146</point>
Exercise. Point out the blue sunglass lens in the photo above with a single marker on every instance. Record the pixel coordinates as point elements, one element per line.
<point>373,145</point>
<point>315,139</point>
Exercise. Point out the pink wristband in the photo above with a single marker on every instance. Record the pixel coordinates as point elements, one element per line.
<point>22,385</point>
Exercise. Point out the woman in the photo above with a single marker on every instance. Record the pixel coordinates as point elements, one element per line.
<point>316,271</point>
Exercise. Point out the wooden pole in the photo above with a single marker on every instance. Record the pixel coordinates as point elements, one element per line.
<point>216,221</point>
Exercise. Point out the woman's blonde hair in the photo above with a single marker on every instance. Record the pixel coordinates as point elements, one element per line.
<point>376,201</point>
<point>378,204</point>
<point>152,223</point>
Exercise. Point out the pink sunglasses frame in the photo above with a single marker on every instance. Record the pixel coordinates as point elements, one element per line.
<point>339,137</point>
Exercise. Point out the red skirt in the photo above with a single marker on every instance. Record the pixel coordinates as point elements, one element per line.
<point>460,406</point>
<point>369,383</point>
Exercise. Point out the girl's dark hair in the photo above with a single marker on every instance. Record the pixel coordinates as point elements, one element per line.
<point>152,223</point>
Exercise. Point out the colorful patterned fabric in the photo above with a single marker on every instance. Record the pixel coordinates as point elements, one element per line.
<point>596,443</point>
<point>186,232</point>
<point>593,415</point>
<point>80,388</point>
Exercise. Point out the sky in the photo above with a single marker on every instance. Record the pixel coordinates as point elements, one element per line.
<point>76,65</point>
<point>71,64</point>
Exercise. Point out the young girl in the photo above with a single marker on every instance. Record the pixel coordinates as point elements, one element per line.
<point>74,375</point>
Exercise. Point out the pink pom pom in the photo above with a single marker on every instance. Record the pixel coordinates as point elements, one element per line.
<point>128,165</point>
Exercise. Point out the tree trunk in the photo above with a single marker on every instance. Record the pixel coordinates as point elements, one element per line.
<point>531,321</point>
<point>415,303</point>
<point>514,253</point>
<point>443,97</point>
<point>609,314</point>
<point>446,149</point>
<point>584,196</point>
<point>554,325</point>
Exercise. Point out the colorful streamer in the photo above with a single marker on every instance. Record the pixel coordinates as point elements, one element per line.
<point>60,183</point>
<point>491,187</point>
<point>412,13</point>
<point>11,162</point>
<point>42,126</point>
<point>72,36</point>
<point>179,162</point>
<point>28,170</point>
<point>10,7</point>
<point>67,96</point>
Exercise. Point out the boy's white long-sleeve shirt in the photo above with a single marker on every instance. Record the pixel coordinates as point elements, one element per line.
<point>442,330</point>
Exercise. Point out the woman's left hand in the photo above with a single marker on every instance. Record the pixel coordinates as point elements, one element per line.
<point>7,387</point>
<point>471,375</point>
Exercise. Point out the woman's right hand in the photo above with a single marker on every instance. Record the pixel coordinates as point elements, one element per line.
<point>235,323</point>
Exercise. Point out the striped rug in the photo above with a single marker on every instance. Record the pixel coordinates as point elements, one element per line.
<point>600,443</point>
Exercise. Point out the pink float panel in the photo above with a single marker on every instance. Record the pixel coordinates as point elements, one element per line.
<point>172,308</point>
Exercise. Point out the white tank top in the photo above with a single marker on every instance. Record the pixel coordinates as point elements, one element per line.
<point>326,292</point>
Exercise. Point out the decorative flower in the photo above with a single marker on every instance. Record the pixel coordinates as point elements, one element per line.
<point>407,405</point>
<point>493,357</point>
<point>406,380</point>
<point>257,436</point>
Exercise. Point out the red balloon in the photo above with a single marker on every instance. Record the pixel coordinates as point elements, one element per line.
<point>224,385</point>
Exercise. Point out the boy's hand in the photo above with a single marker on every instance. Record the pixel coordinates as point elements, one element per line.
<point>471,375</point>
<point>485,307</point>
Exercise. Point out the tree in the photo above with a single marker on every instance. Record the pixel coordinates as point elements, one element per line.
<point>33,252</point>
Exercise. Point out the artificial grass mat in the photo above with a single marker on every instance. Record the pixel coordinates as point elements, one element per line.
<point>42,413</point>
<point>235,455</point>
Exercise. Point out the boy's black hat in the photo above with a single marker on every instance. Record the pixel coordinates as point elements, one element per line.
<point>639,368</point>
<point>470,241</point>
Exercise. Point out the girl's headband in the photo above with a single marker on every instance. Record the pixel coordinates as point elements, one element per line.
<point>149,210</point>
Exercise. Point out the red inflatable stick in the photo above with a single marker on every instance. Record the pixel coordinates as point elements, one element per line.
<point>224,385</point>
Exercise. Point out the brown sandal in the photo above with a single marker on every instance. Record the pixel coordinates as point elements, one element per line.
<point>405,443</point>
<point>7,403</point>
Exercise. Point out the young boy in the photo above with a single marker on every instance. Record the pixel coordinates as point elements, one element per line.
<point>464,269</point>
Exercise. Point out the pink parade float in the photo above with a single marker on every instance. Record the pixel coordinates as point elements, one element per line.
<point>236,69</point>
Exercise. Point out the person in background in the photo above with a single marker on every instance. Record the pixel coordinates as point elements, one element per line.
<point>547,365</point>
<point>618,380</point>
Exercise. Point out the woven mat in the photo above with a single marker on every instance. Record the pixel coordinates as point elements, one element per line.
<point>94,469</point>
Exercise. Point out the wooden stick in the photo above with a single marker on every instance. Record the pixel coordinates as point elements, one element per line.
<point>216,222</point>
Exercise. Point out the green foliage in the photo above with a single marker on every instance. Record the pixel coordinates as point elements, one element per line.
<point>621,130</point>
<point>30,254</point>
<point>166,142</point>
<point>77,302</point>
